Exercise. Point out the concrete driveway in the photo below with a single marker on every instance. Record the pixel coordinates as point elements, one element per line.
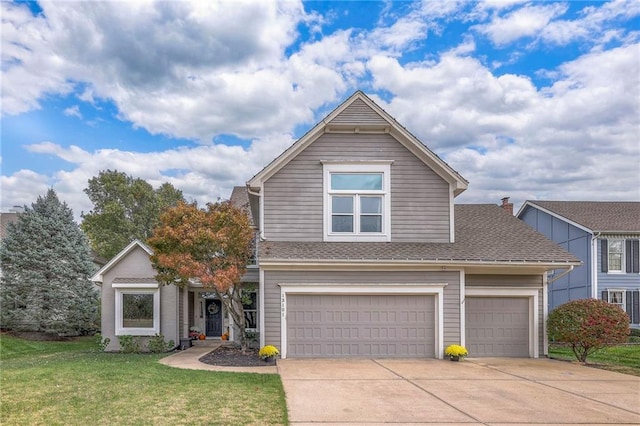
<point>490,391</point>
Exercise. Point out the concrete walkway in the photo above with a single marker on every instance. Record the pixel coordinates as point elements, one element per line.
<point>495,391</point>
<point>189,359</point>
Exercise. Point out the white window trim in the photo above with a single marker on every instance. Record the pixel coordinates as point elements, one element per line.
<point>120,290</point>
<point>383,167</point>
<point>624,297</point>
<point>531,293</point>
<point>436,290</point>
<point>623,269</point>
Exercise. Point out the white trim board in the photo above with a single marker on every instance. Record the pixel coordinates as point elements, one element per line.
<point>436,290</point>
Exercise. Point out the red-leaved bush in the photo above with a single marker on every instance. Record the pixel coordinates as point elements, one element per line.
<point>588,325</point>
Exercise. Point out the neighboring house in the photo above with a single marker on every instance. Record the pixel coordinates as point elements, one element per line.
<point>362,253</point>
<point>605,237</point>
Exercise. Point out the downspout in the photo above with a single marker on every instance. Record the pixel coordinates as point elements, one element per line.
<point>594,265</point>
<point>261,210</point>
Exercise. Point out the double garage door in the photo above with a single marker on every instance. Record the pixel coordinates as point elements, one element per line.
<point>360,325</point>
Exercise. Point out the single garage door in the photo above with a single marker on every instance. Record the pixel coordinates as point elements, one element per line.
<point>360,325</point>
<point>497,326</point>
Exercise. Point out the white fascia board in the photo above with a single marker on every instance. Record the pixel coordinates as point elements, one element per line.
<point>532,204</point>
<point>441,168</point>
<point>98,276</point>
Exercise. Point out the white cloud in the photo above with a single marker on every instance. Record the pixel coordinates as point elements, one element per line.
<point>203,173</point>
<point>73,111</point>
<point>523,22</point>
<point>576,139</point>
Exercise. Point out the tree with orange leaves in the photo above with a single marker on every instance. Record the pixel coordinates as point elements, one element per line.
<point>211,246</point>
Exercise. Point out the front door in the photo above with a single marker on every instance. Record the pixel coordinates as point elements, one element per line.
<point>214,317</point>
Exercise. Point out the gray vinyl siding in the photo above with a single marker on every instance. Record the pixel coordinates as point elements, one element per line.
<point>577,284</point>
<point>136,264</point>
<point>272,311</point>
<point>515,281</point>
<point>358,113</point>
<point>293,197</point>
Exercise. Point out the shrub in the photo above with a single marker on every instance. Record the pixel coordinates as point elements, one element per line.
<point>268,352</point>
<point>101,343</point>
<point>587,325</point>
<point>158,345</point>
<point>129,344</point>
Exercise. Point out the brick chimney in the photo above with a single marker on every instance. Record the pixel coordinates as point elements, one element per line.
<point>507,206</point>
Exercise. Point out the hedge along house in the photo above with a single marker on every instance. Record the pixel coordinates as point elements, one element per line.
<point>363,253</point>
<point>133,303</point>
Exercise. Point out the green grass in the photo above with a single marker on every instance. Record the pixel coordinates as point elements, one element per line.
<point>622,358</point>
<point>69,383</point>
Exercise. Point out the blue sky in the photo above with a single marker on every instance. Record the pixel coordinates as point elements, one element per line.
<point>527,99</point>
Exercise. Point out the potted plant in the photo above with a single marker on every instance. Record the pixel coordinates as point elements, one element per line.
<point>268,353</point>
<point>194,332</point>
<point>456,352</point>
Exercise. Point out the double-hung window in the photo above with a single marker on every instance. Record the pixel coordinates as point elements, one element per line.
<point>617,297</point>
<point>357,201</point>
<point>616,255</point>
<point>137,309</point>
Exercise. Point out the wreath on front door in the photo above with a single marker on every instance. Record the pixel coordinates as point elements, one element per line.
<point>213,309</point>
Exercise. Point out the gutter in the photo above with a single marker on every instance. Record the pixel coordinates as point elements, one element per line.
<point>561,275</point>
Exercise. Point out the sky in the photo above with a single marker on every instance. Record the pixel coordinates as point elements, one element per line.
<point>533,100</point>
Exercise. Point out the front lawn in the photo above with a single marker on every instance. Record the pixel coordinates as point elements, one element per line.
<point>72,384</point>
<point>622,358</point>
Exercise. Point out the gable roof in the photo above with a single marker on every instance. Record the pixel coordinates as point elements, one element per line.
<point>485,235</point>
<point>240,199</point>
<point>97,277</point>
<point>359,114</point>
<point>594,216</point>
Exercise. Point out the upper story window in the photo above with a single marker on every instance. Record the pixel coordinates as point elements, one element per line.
<point>620,256</point>
<point>357,201</point>
<point>616,255</point>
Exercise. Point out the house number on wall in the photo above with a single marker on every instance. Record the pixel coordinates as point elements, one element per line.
<point>283,304</point>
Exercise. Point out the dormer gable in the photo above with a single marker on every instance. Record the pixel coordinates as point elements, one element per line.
<point>358,175</point>
<point>133,245</point>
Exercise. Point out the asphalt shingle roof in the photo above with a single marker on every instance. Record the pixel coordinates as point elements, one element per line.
<point>484,232</point>
<point>599,216</point>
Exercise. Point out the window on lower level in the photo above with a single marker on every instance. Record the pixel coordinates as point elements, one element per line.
<point>617,297</point>
<point>250,305</point>
<point>137,310</point>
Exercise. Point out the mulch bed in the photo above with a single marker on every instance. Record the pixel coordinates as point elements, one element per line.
<point>231,356</point>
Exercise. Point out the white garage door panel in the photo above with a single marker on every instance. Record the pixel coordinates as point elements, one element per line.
<point>360,325</point>
<point>497,326</point>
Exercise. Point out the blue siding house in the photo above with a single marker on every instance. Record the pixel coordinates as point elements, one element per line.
<point>605,236</point>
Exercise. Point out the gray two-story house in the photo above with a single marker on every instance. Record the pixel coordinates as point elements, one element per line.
<point>362,252</point>
<point>605,236</point>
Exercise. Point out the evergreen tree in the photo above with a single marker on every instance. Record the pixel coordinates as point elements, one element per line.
<point>46,265</point>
